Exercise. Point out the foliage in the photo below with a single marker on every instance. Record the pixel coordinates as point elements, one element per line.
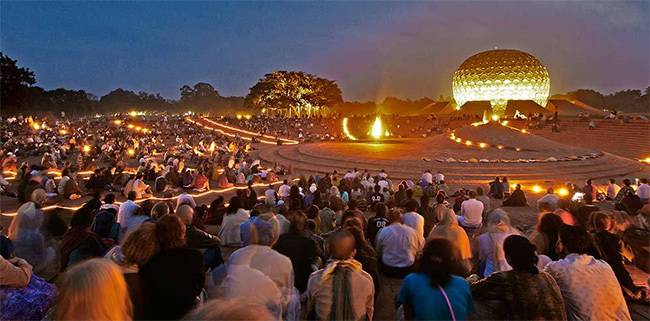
<point>626,100</point>
<point>14,84</point>
<point>295,93</point>
<point>203,97</point>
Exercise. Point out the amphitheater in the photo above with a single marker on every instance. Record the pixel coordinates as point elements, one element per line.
<point>540,157</point>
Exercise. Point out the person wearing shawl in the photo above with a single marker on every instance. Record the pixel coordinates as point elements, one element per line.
<point>341,290</point>
<point>449,229</point>
<point>25,234</point>
<point>490,244</point>
<point>523,293</point>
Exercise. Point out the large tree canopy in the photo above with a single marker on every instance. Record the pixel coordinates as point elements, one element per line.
<point>294,92</point>
<point>14,84</point>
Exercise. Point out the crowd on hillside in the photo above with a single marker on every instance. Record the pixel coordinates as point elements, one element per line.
<point>161,155</point>
<point>319,248</point>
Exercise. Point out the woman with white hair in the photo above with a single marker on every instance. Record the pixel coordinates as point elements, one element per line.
<point>490,244</point>
<point>25,233</point>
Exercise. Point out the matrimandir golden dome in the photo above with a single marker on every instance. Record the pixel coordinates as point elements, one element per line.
<point>500,75</point>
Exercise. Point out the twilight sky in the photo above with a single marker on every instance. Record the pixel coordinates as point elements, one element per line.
<point>372,49</point>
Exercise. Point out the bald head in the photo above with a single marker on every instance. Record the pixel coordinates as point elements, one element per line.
<point>342,245</point>
<point>186,214</point>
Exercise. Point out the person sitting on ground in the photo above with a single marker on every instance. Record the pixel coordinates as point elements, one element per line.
<point>201,182</point>
<point>329,290</point>
<point>68,187</point>
<point>79,242</point>
<point>260,256</point>
<point>377,222</point>
<point>127,209</point>
<point>229,232</point>
<point>490,244</point>
<point>432,291</point>
<point>26,236</point>
<point>302,250</point>
<point>599,296</point>
<point>397,245</point>
<point>271,196</point>
<point>471,212</point>
<point>611,247</point>
<point>199,239</point>
<point>546,235</point>
<point>173,278</point>
<point>412,218</point>
<point>449,229</point>
<point>481,197</point>
<point>138,248</point>
<point>643,191</point>
<point>159,210</point>
<point>93,290</point>
<point>612,189</point>
<point>550,198</point>
<point>496,189</point>
<point>216,211</point>
<point>524,293</point>
<point>139,216</point>
<point>517,198</point>
<point>365,253</point>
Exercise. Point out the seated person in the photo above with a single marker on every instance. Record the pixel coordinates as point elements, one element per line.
<point>517,198</point>
<point>201,182</point>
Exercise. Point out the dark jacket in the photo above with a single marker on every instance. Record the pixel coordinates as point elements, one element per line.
<point>171,282</point>
<point>303,253</point>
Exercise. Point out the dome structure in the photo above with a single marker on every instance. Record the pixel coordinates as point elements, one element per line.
<point>501,75</point>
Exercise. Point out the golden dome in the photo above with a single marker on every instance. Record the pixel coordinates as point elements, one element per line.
<point>501,75</point>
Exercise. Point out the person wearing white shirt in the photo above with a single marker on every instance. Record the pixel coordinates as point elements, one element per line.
<point>350,175</point>
<point>412,218</point>
<point>427,178</point>
<point>588,285</point>
<point>261,256</point>
<point>471,212</point>
<point>284,190</point>
<point>127,209</point>
<point>612,189</point>
<point>229,232</point>
<point>550,198</point>
<point>242,281</point>
<point>643,192</point>
<point>270,196</point>
<point>185,199</point>
<point>397,246</point>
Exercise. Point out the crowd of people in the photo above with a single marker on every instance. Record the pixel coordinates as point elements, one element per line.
<point>320,247</point>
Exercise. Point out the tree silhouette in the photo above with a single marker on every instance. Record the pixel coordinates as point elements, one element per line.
<point>14,84</point>
<point>294,93</point>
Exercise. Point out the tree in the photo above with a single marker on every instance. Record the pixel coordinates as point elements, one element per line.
<point>14,83</point>
<point>294,93</point>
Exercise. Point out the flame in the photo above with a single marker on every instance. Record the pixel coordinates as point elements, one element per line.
<point>346,131</point>
<point>376,130</point>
